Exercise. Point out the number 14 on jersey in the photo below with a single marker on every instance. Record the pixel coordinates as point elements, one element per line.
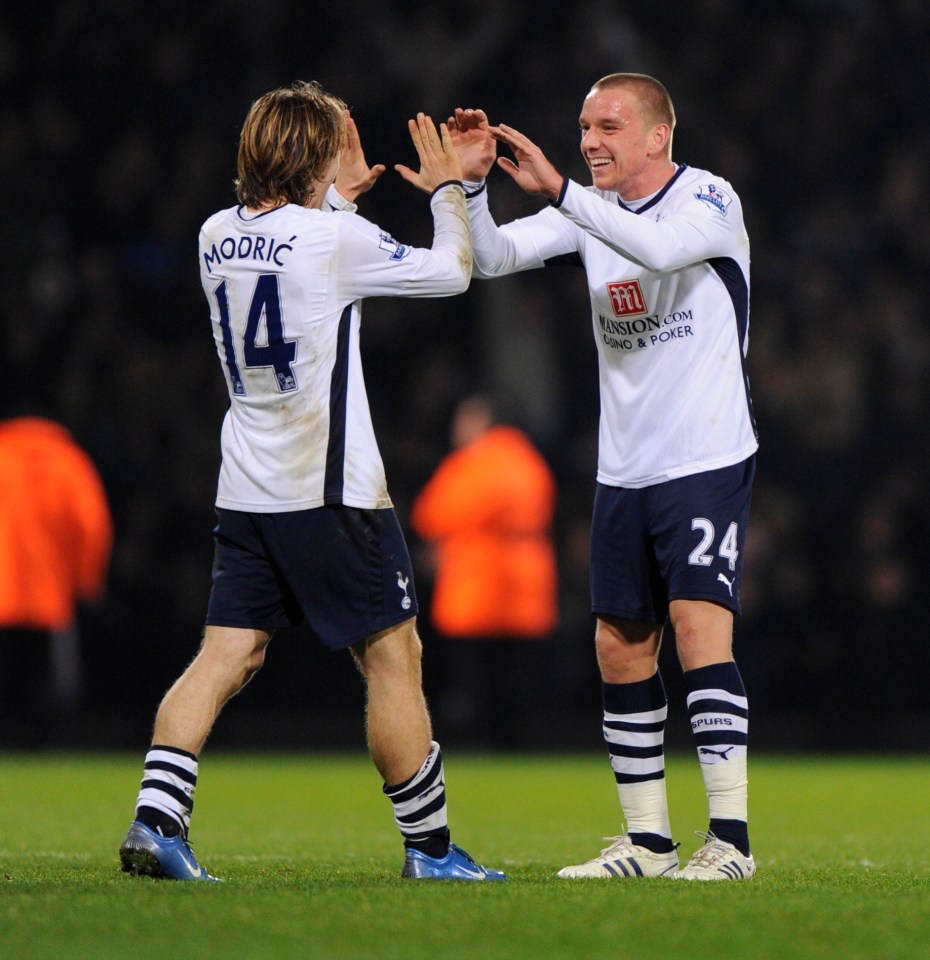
<point>270,350</point>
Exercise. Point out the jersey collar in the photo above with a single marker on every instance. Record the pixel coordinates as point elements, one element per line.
<point>243,214</point>
<point>655,199</point>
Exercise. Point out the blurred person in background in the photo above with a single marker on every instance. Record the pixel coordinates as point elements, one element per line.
<point>488,511</point>
<point>666,257</point>
<point>306,530</point>
<point>56,538</point>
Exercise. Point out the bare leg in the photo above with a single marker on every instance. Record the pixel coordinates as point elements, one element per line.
<point>634,718</point>
<point>718,709</point>
<point>156,844</point>
<point>398,722</point>
<point>627,650</point>
<point>228,658</point>
<point>703,632</point>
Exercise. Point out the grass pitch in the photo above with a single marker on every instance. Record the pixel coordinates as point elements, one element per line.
<point>311,860</point>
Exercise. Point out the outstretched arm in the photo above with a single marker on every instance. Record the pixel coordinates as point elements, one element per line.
<point>377,265</point>
<point>532,172</point>
<point>355,177</point>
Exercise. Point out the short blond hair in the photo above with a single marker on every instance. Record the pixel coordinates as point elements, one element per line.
<point>290,138</point>
<point>654,99</point>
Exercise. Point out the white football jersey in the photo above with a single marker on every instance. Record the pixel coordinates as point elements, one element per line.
<point>285,290</point>
<point>669,289</point>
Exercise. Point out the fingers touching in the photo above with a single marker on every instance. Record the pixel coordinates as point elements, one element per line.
<point>438,159</point>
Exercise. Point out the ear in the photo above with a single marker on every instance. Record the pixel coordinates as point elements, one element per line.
<point>661,133</point>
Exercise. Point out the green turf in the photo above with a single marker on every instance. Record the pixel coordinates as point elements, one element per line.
<point>311,860</point>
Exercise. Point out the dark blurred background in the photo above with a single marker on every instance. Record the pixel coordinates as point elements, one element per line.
<point>118,130</point>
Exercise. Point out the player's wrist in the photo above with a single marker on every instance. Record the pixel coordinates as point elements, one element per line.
<point>557,199</point>
<point>473,188</point>
<point>446,183</point>
<point>341,198</point>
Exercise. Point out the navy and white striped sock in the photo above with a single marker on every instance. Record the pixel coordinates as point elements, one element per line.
<point>719,713</point>
<point>634,728</point>
<point>420,807</point>
<point>166,798</point>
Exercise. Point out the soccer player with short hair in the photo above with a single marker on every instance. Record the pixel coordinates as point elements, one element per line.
<point>306,530</point>
<point>667,262</point>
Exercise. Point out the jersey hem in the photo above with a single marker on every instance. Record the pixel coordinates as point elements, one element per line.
<point>676,473</point>
<point>242,506</point>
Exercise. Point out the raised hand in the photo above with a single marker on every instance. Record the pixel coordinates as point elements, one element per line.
<point>438,160</point>
<point>532,171</point>
<point>355,176</point>
<point>471,136</point>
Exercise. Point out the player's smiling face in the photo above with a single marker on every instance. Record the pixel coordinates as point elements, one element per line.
<point>615,141</point>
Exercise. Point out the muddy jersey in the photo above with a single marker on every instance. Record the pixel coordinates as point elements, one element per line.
<point>285,290</point>
<point>668,278</point>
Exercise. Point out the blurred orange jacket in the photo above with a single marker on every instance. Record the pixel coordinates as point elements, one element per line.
<point>56,530</point>
<point>489,510</point>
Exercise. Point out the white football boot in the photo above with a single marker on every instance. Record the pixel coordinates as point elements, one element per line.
<point>623,858</point>
<point>718,860</point>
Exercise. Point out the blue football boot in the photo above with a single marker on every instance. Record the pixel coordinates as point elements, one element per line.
<point>148,854</point>
<point>455,865</point>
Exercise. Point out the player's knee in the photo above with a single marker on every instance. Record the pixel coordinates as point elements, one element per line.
<point>394,652</point>
<point>626,649</point>
<point>254,662</point>
<point>414,645</point>
<point>703,633</point>
<point>626,638</point>
<point>406,649</point>
<point>699,647</point>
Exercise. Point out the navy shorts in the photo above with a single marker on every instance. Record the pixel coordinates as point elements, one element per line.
<point>343,572</point>
<point>678,540</point>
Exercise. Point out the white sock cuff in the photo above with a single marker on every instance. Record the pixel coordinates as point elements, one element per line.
<point>645,807</point>
<point>727,786</point>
